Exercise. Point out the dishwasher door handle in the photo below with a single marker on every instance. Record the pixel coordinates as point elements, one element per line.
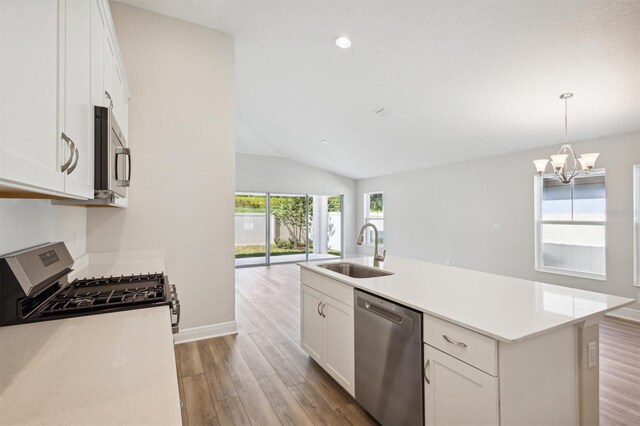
<point>383,313</point>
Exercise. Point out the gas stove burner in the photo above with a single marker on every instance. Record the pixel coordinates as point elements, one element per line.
<point>81,302</point>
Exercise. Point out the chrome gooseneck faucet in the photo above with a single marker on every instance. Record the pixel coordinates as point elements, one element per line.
<point>377,257</point>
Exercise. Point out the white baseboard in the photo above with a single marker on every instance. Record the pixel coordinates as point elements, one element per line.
<point>205,332</point>
<point>627,314</point>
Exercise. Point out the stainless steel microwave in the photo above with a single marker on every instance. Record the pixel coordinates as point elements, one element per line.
<point>112,157</point>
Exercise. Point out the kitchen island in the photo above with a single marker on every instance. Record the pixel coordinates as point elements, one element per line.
<point>497,350</point>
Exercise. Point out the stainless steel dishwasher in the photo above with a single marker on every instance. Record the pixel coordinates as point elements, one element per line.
<point>388,353</point>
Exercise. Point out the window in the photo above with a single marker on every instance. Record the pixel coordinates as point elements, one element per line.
<point>374,213</point>
<point>570,226</point>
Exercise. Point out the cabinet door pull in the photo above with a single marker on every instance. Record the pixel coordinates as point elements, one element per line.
<point>318,308</point>
<point>322,310</point>
<point>72,147</point>
<point>110,100</point>
<point>424,372</point>
<point>75,164</point>
<point>453,342</point>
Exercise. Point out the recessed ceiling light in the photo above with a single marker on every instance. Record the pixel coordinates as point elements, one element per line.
<point>324,141</point>
<point>343,42</point>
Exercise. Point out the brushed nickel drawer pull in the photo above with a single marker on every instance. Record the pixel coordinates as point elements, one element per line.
<point>453,342</point>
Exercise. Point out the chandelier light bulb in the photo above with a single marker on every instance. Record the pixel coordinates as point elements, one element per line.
<point>588,161</point>
<point>541,165</point>
<point>558,161</point>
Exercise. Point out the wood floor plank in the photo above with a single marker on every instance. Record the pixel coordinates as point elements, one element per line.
<point>619,373</point>
<point>257,405</point>
<point>200,409</point>
<point>231,412</point>
<point>314,405</point>
<point>352,414</point>
<point>210,352</point>
<point>282,366</point>
<point>239,370</point>
<point>330,390</point>
<point>220,383</point>
<point>189,359</point>
<point>283,402</point>
<point>258,364</point>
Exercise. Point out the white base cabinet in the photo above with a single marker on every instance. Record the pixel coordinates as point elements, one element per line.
<point>472,379</point>
<point>327,327</point>
<point>456,393</point>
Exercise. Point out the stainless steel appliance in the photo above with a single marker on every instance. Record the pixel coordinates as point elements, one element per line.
<point>34,286</point>
<point>112,157</point>
<point>388,349</point>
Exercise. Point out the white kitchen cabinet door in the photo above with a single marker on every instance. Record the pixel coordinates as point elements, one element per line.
<point>340,342</point>
<point>78,116</point>
<point>457,393</point>
<point>98,35</point>
<point>312,327</point>
<point>29,147</point>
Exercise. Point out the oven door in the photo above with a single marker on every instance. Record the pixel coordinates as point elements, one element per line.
<point>119,160</point>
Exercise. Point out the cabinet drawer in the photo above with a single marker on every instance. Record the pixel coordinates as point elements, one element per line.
<point>339,291</point>
<point>473,348</point>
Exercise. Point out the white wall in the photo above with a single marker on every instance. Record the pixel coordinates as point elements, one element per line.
<point>259,173</point>
<point>448,212</point>
<point>26,223</point>
<point>181,134</point>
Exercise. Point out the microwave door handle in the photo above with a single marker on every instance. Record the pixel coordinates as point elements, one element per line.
<point>128,153</point>
<point>119,152</point>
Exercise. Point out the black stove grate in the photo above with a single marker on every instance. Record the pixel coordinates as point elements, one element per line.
<point>106,293</point>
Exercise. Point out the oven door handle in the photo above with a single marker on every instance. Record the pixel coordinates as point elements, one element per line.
<point>175,310</point>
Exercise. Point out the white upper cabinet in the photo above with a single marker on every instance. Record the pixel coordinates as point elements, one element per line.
<point>30,154</point>
<point>57,59</point>
<point>98,42</point>
<point>77,117</point>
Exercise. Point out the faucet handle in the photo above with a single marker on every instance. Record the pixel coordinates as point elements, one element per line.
<point>381,257</point>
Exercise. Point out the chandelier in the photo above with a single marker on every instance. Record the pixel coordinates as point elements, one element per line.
<point>561,168</point>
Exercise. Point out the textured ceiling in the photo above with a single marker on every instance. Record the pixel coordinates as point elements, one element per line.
<point>462,79</point>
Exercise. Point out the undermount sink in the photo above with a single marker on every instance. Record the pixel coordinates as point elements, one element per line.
<point>355,271</point>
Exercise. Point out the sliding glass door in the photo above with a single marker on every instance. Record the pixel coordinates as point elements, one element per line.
<point>280,228</point>
<point>251,229</point>
<point>289,228</point>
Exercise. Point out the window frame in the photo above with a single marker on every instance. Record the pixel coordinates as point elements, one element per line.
<point>538,222</point>
<point>366,204</point>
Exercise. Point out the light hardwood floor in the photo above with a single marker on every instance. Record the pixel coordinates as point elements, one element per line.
<point>261,377</point>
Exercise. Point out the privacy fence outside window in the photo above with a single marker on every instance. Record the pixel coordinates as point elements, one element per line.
<point>571,226</point>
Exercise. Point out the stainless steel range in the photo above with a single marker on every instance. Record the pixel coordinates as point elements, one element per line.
<point>34,286</point>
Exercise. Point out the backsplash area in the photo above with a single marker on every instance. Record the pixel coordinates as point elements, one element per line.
<point>26,223</point>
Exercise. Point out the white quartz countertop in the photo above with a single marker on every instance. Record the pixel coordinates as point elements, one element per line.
<point>507,309</point>
<point>116,368</point>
